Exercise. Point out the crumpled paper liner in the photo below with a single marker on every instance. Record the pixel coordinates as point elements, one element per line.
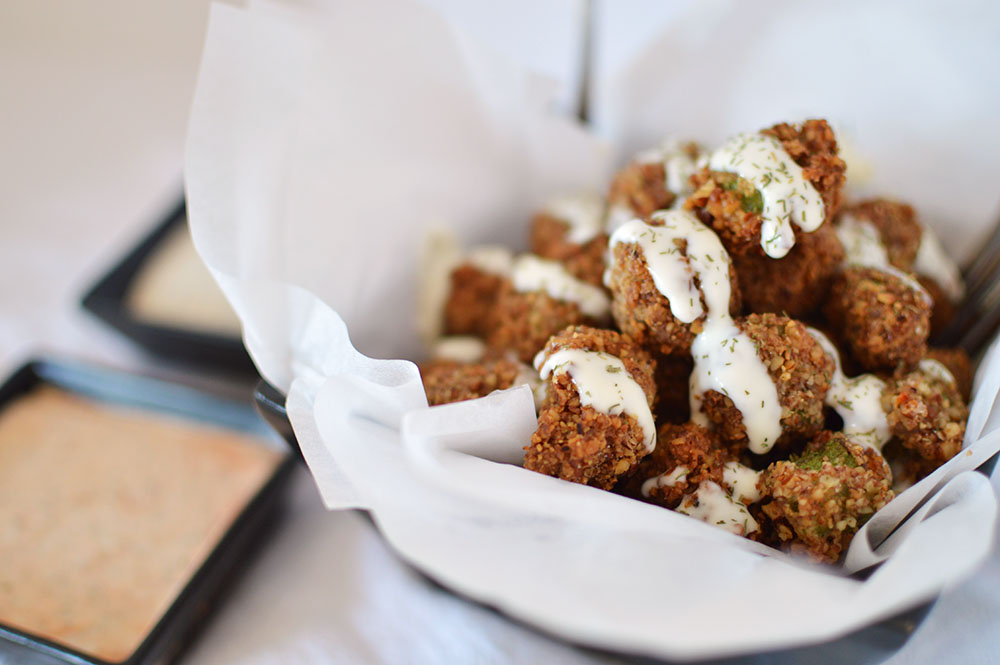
<point>323,145</point>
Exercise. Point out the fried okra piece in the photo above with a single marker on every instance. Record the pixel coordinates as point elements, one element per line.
<point>898,229</point>
<point>571,230</point>
<point>816,502</point>
<point>943,309</point>
<point>796,284</point>
<point>540,299</point>
<point>652,181</point>
<point>881,317</point>
<point>801,371</point>
<point>596,421</point>
<point>925,412</point>
<point>907,466</point>
<point>732,205</point>
<point>685,456</point>
<point>471,300</point>
<point>447,381</point>
<point>642,311</point>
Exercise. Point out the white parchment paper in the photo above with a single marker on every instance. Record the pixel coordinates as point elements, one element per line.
<point>323,143</point>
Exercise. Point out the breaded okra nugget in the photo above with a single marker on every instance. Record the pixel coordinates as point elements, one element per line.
<point>639,306</point>
<point>685,456</point>
<point>798,283</point>
<point>447,381</point>
<point>958,363</point>
<point>736,205</point>
<point>926,412</point>
<point>816,502</point>
<point>800,370</point>
<point>571,230</point>
<point>882,317</point>
<point>474,286</point>
<point>596,421</point>
<point>540,299</point>
<point>652,181</point>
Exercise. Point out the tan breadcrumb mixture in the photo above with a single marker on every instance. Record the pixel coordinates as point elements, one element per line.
<point>577,443</point>
<point>818,500</point>
<point>882,320</point>
<point>817,487</point>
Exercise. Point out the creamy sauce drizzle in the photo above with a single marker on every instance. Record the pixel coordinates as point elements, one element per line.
<point>857,400</point>
<point>715,506</point>
<point>459,348</point>
<point>603,384</point>
<point>863,247</point>
<point>937,370</point>
<point>493,259</point>
<point>932,261</point>
<point>666,479</point>
<point>531,273</point>
<point>743,481</point>
<point>787,196</point>
<point>583,214</point>
<point>725,357</point>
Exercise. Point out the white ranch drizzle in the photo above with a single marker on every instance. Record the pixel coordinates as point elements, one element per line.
<point>857,400</point>
<point>787,196</point>
<point>531,273</point>
<point>665,479</point>
<point>459,348</point>
<point>583,214</point>
<point>937,370</point>
<point>725,357</point>
<point>714,505</point>
<point>743,481</point>
<point>932,261</point>
<point>863,247</point>
<point>603,384</point>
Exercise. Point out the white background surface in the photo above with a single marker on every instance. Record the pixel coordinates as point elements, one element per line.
<point>94,104</point>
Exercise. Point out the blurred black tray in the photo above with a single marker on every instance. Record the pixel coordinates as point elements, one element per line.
<point>869,645</point>
<point>107,300</point>
<point>190,608</point>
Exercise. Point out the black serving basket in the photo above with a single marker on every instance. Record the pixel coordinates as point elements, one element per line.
<point>191,606</point>
<point>107,300</point>
<point>869,645</point>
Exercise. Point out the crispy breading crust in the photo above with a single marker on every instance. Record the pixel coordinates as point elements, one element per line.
<point>687,445</point>
<point>926,414</point>
<point>643,313</point>
<point>943,309</point>
<point>883,321</point>
<point>797,284</point>
<point>641,188</point>
<point>801,372</point>
<point>471,301</point>
<point>818,510</point>
<point>577,443</point>
<point>585,262</point>
<point>719,197</point>
<point>447,381</point>
<point>523,322</point>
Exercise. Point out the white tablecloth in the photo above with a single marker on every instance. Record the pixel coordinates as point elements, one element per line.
<point>95,97</point>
